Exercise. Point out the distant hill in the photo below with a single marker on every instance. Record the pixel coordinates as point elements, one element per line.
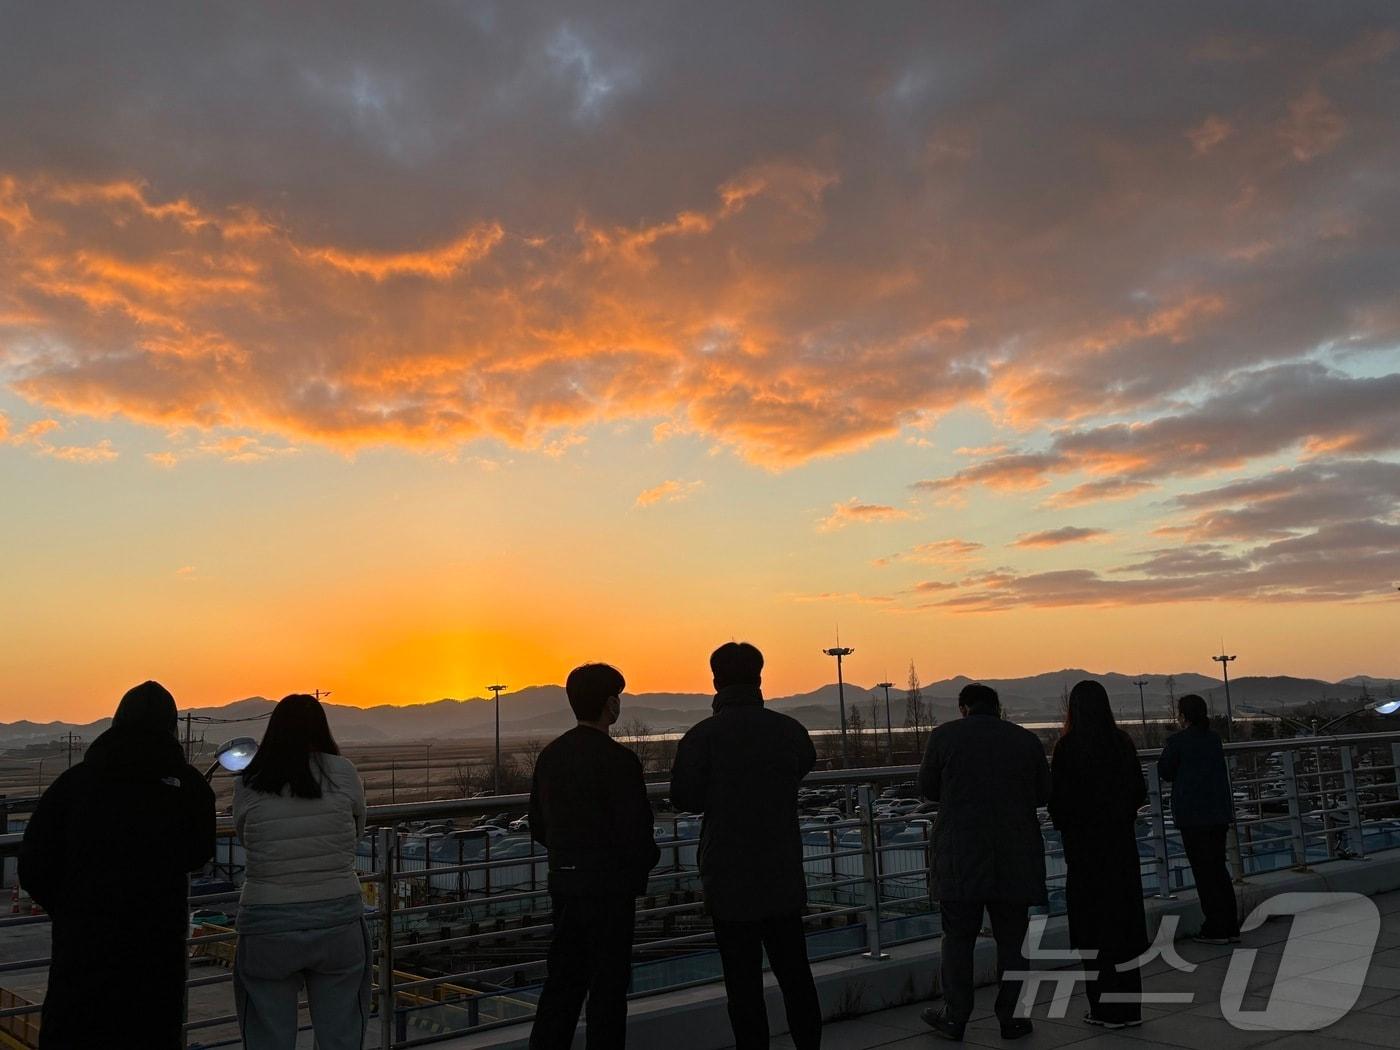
<point>543,709</point>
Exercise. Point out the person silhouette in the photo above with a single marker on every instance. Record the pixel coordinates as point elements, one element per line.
<point>1096,790</point>
<point>740,768</point>
<point>589,809</point>
<point>120,939</point>
<point>988,776</point>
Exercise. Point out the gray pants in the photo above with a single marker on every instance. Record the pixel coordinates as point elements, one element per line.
<point>334,964</point>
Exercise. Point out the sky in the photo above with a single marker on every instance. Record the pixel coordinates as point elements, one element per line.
<point>402,350</point>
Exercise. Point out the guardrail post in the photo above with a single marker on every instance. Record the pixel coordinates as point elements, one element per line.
<point>1159,833</point>
<point>1232,837</point>
<point>1395,768</point>
<point>1357,846</point>
<point>386,940</point>
<point>1295,811</point>
<point>870,838</point>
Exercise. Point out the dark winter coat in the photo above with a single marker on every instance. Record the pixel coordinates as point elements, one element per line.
<point>589,808</point>
<point>106,853</point>
<point>1096,790</point>
<point>987,776</point>
<point>1194,761</point>
<point>740,768</point>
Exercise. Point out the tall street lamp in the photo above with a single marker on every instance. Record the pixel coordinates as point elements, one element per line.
<point>496,691</point>
<point>841,653</point>
<point>1224,662</point>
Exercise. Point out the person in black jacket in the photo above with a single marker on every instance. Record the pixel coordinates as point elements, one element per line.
<point>589,808</point>
<point>740,768</point>
<point>1096,789</point>
<point>107,853</point>
<point>1202,809</point>
<point>987,776</point>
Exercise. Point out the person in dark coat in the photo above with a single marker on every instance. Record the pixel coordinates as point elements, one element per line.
<point>107,854</point>
<point>988,776</point>
<point>1202,810</point>
<point>741,768</point>
<point>589,808</point>
<point>1096,790</point>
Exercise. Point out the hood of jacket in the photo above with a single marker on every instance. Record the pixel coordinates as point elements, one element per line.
<point>135,753</point>
<point>737,696</point>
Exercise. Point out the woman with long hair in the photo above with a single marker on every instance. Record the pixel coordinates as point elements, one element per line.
<point>1096,789</point>
<point>299,809</point>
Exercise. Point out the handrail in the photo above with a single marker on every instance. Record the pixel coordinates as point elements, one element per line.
<point>398,812</point>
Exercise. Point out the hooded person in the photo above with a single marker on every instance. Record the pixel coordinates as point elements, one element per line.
<point>107,853</point>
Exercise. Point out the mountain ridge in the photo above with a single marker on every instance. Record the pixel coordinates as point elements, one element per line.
<point>541,709</point>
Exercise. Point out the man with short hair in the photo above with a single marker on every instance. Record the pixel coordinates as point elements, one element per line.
<point>741,768</point>
<point>987,776</point>
<point>589,808</point>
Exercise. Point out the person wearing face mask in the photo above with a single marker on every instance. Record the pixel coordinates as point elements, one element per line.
<point>589,809</point>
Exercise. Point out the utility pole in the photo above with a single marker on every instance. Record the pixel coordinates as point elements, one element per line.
<point>393,781</point>
<point>840,654</point>
<point>889,730</point>
<point>496,691</point>
<point>1142,703</point>
<point>71,739</point>
<point>189,715</point>
<point>1224,662</point>
<point>428,773</point>
<point>319,693</point>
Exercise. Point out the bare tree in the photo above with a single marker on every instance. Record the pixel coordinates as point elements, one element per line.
<point>529,753</point>
<point>917,715</point>
<point>466,779</point>
<point>855,733</point>
<point>638,735</point>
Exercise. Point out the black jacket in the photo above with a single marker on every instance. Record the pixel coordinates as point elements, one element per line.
<point>1095,784</point>
<point>1097,788</point>
<point>741,767</point>
<point>987,776</point>
<point>589,808</point>
<point>1194,761</point>
<point>107,852</point>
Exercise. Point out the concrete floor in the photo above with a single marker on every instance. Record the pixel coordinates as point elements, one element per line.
<point>1373,1021</point>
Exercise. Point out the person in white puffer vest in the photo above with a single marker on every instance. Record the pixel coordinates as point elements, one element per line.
<point>299,809</point>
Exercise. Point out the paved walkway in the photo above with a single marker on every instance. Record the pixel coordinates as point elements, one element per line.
<point>1199,1025</point>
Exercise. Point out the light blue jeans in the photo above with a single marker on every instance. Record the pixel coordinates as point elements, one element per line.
<point>334,965</point>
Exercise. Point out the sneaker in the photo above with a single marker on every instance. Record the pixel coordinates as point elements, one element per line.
<point>1202,938</point>
<point>1112,1026</point>
<point>1016,1028</point>
<point>942,1026</point>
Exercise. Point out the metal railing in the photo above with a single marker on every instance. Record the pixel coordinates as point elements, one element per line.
<point>461,920</point>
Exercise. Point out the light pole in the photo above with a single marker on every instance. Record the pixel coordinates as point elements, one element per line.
<point>496,691</point>
<point>889,730</point>
<point>841,653</point>
<point>1142,703</point>
<point>1224,662</point>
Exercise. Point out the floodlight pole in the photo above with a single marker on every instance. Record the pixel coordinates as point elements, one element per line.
<point>889,730</point>
<point>496,691</point>
<point>841,653</point>
<point>1224,662</point>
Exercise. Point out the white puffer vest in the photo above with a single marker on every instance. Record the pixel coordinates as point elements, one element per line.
<point>302,849</point>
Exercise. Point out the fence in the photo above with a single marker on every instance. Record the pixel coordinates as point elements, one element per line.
<point>461,917</point>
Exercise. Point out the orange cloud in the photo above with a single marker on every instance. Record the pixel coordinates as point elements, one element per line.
<point>1059,537</point>
<point>669,492</point>
<point>853,511</point>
